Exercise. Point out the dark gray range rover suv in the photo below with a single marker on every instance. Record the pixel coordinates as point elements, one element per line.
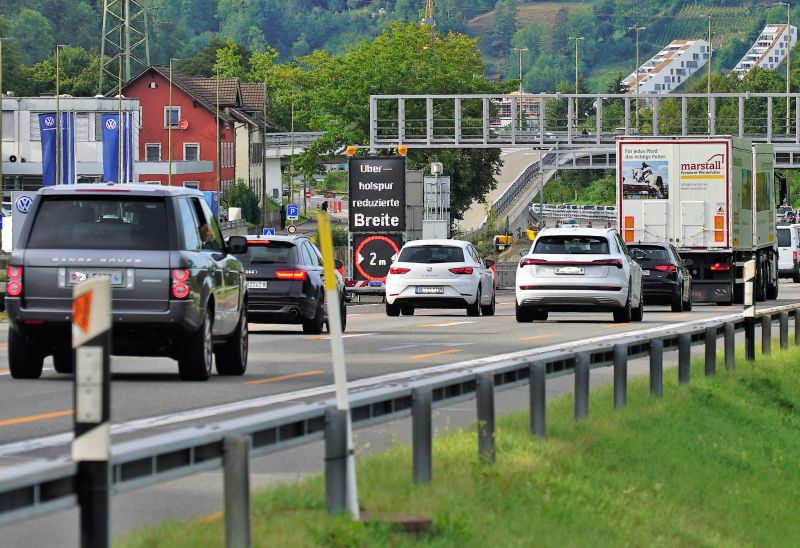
<point>177,290</point>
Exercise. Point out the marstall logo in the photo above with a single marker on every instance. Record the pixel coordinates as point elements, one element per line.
<point>712,164</point>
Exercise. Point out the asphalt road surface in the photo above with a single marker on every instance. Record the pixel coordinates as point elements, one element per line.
<point>285,366</point>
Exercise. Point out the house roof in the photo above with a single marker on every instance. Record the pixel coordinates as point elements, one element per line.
<point>236,99</point>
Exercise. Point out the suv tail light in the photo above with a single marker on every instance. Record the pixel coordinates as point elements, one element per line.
<point>531,262</point>
<point>666,268</point>
<point>716,267</point>
<point>291,275</point>
<point>180,289</point>
<point>794,256</point>
<point>607,262</point>
<point>461,270</point>
<point>14,283</point>
<point>399,270</point>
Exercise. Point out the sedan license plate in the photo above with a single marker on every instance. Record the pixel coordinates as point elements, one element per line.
<point>430,290</point>
<point>570,270</point>
<point>256,285</point>
<point>645,272</point>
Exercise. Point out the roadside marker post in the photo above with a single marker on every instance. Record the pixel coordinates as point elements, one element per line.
<point>339,457</point>
<point>749,311</point>
<point>91,448</point>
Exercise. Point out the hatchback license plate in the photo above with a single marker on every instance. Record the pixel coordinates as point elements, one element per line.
<point>430,290</point>
<point>570,270</point>
<point>256,285</point>
<point>645,272</point>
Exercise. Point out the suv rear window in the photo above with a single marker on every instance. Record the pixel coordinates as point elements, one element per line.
<point>653,253</point>
<point>100,222</point>
<point>572,245</point>
<point>268,252</point>
<point>784,237</point>
<point>428,254</point>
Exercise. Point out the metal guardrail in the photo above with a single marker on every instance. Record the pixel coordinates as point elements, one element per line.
<point>38,488</point>
<point>230,225</point>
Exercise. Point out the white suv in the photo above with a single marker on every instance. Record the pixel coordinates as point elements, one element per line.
<point>579,270</point>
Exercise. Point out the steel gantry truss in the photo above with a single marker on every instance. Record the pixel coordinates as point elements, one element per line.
<point>581,128</point>
<point>124,40</point>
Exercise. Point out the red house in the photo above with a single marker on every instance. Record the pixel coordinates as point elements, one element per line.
<point>195,103</point>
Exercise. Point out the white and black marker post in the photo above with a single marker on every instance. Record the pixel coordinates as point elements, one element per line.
<point>340,468</point>
<point>91,448</point>
<point>749,311</point>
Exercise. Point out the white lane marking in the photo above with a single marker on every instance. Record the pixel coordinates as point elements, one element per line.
<point>444,324</point>
<point>206,412</point>
<point>344,336</point>
<point>416,345</point>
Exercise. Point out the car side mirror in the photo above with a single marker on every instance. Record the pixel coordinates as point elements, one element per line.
<point>523,253</point>
<point>237,245</point>
<point>688,262</point>
<point>489,263</point>
<point>338,264</point>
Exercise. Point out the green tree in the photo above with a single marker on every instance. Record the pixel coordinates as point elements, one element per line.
<point>33,32</point>
<point>239,195</point>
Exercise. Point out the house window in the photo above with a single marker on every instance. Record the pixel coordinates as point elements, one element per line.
<point>152,152</point>
<point>152,182</point>
<point>174,119</point>
<point>191,152</point>
<point>192,184</point>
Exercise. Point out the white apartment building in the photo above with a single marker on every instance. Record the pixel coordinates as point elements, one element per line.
<point>769,50</point>
<point>22,146</point>
<point>669,68</point>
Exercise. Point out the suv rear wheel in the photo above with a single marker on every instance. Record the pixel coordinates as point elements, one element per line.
<point>392,309</point>
<point>62,361</point>
<point>524,314</point>
<point>313,326</point>
<point>24,360</point>
<point>197,354</point>
<point>623,315</point>
<point>231,357</point>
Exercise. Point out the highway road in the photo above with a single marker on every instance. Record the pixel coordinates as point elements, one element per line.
<point>287,366</point>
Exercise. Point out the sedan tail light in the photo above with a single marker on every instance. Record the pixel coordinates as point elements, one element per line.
<point>180,289</point>
<point>794,256</point>
<point>531,262</point>
<point>14,284</point>
<point>461,270</point>
<point>291,275</point>
<point>718,267</point>
<point>399,270</point>
<point>666,268</point>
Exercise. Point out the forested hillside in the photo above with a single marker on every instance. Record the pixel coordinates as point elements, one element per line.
<point>295,28</point>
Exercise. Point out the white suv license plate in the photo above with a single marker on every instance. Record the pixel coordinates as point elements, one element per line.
<point>256,285</point>
<point>569,271</point>
<point>430,290</point>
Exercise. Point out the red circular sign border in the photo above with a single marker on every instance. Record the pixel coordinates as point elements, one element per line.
<point>361,246</point>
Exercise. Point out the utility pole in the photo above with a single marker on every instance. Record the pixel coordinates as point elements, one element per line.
<point>636,73</point>
<point>577,39</point>
<point>217,170</point>
<point>124,36</point>
<point>58,115</point>
<point>2,93</point>
<point>708,73</point>
<point>520,50</point>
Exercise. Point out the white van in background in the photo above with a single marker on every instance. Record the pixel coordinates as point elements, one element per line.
<point>788,249</point>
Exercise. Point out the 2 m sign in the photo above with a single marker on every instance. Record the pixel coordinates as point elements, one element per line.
<point>377,195</point>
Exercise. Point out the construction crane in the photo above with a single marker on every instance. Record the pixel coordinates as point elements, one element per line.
<point>427,19</point>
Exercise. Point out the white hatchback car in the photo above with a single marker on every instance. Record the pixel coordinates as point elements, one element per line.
<point>579,270</point>
<point>440,274</point>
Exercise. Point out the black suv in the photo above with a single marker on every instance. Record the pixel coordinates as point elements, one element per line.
<point>176,289</point>
<point>285,282</point>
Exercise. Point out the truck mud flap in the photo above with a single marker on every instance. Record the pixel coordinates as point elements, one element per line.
<point>711,291</point>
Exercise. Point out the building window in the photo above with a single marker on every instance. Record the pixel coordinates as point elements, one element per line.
<point>191,152</point>
<point>8,125</point>
<point>174,119</point>
<point>152,182</point>
<point>152,152</point>
<point>192,184</point>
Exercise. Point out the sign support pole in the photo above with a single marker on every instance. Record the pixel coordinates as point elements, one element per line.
<point>337,355</point>
<point>91,448</point>
<point>749,311</point>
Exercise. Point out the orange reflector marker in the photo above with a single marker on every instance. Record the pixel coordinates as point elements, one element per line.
<point>629,236</point>
<point>351,150</point>
<point>402,150</point>
<point>81,308</point>
<point>719,228</point>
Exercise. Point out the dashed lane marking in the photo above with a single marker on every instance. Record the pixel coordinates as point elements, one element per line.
<point>537,337</point>
<point>36,418</point>
<point>345,336</point>
<point>433,354</point>
<point>444,324</point>
<point>285,377</point>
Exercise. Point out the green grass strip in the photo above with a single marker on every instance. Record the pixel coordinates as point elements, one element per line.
<point>714,463</point>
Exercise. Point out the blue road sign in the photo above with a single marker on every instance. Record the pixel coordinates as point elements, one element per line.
<point>292,212</point>
<point>267,231</point>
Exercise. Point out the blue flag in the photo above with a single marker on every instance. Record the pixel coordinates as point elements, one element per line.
<point>66,149</point>
<point>118,147</point>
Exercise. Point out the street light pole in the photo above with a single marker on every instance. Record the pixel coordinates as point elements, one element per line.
<point>577,39</point>
<point>1,118</point>
<point>636,73</point>
<point>217,169</point>
<point>520,50</point>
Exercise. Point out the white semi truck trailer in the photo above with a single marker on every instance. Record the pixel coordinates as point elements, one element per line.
<point>713,199</point>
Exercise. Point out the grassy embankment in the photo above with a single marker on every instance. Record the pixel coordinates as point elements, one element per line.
<point>713,463</point>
